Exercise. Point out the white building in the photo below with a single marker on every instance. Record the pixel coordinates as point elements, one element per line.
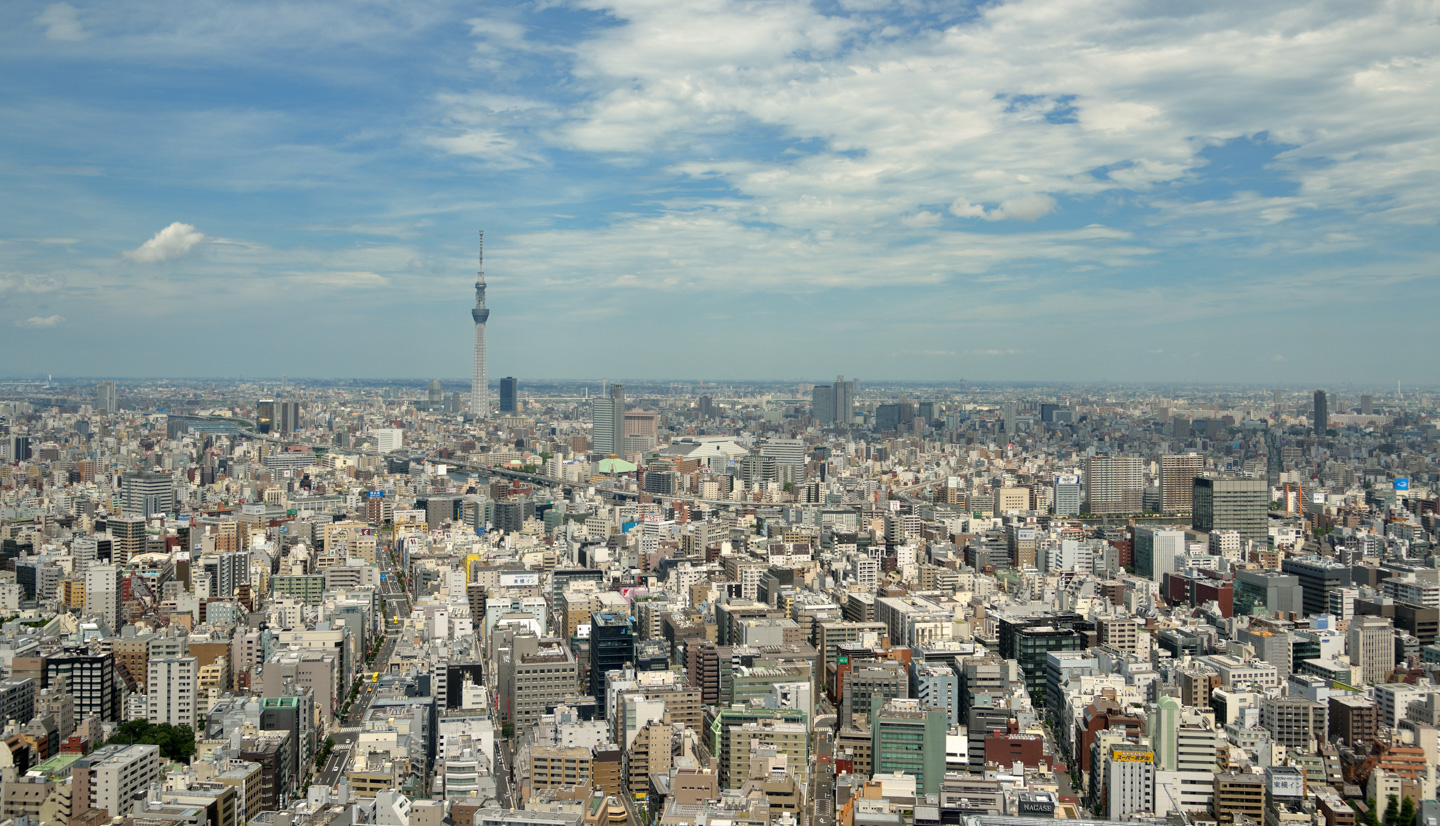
<point>389,439</point>
<point>173,684</point>
<point>117,775</point>
<point>102,594</point>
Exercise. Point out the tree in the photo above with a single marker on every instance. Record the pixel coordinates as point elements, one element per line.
<point>1371,818</point>
<point>1392,811</point>
<point>176,742</point>
<point>1407,812</point>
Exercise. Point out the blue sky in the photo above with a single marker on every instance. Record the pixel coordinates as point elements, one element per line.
<point>1032,190</point>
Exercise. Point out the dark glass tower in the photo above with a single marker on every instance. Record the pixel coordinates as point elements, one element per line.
<point>612,645</point>
<point>509,395</point>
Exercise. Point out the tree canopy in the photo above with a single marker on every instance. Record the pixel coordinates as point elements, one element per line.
<point>175,742</point>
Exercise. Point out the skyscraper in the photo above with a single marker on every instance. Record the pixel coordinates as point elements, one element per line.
<point>834,404</point>
<point>288,417</point>
<point>612,645</point>
<point>607,417</point>
<point>264,415</point>
<point>509,395</point>
<point>1322,412</point>
<point>144,493</point>
<point>480,381</point>
<point>105,399</point>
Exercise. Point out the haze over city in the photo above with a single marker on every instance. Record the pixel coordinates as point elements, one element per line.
<point>1010,191</point>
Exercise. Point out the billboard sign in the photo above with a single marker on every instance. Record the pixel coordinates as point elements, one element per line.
<point>374,494</point>
<point>1402,483</point>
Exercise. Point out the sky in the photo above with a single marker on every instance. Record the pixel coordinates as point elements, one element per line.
<point>1038,190</point>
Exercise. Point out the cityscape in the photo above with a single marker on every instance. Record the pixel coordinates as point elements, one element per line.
<point>891,415</point>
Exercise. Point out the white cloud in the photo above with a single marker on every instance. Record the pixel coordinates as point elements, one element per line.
<point>61,21</point>
<point>1001,115</point>
<point>174,241</point>
<point>1023,208</point>
<point>42,322</point>
<point>12,282</point>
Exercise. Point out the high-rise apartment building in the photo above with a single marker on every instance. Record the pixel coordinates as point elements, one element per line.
<point>1322,412</point>
<point>509,395</point>
<point>1115,484</point>
<point>1177,481</point>
<point>102,594</point>
<point>113,778</point>
<point>1231,504</point>
<point>607,419</point>
<point>172,686</point>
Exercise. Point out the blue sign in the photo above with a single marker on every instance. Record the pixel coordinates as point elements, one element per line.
<point>374,494</point>
<point>626,526</point>
<point>1402,483</point>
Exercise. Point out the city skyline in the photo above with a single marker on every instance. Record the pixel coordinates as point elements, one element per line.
<point>999,192</point>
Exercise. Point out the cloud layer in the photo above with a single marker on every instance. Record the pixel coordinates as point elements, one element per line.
<point>981,180</point>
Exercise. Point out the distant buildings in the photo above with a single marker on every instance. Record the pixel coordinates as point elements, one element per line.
<point>834,404</point>
<point>607,418</point>
<point>509,395</point>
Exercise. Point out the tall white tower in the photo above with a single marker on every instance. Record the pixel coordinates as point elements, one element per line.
<point>480,381</point>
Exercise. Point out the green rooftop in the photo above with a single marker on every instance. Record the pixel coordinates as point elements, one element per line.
<point>57,765</point>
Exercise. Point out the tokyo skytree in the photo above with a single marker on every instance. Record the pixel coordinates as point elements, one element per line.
<point>480,382</point>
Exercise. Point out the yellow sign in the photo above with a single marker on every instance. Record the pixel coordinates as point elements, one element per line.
<point>1132,756</point>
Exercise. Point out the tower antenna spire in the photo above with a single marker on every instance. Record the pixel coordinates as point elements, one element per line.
<point>480,383</point>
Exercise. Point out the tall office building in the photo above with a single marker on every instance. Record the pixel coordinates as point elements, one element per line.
<point>833,404</point>
<point>389,439</point>
<point>264,415</point>
<point>607,417</point>
<point>172,686</point>
<point>127,534</point>
<point>480,380</point>
<point>1158,552</point>
<point>509,395</point>
<point>1177,481</point>
<point>612,645</point>
<point>1067,495</point>
<point>144,494</point>
<point>1322,412</point>
<point>1370,644</point>
<point>287,416</point>
<point>1115,484</point>
<point>908,739</point>
<point>106,401</point>
<point>1318,578</point>
<point>1231,504</point>
<point>1367,405</point>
